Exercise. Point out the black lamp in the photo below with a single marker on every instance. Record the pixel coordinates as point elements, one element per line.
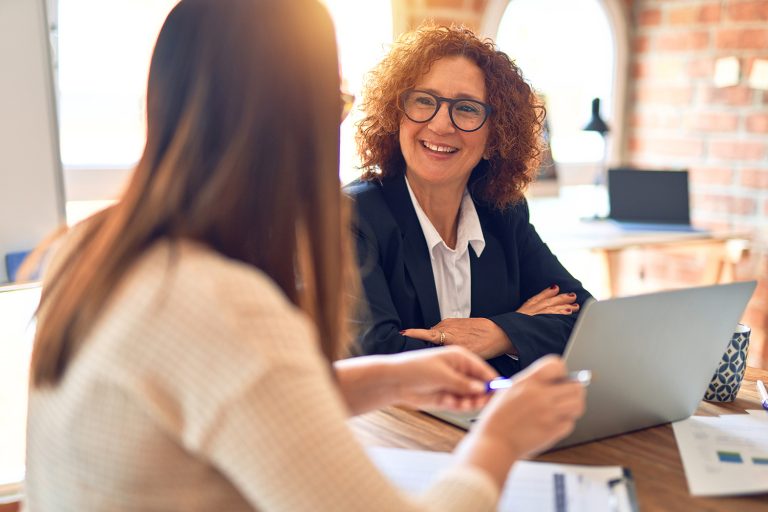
<point>596,124</point>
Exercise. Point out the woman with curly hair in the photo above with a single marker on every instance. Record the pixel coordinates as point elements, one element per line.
<point>450,140</point>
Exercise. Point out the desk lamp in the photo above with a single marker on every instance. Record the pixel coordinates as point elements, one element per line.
<point>596,124</point>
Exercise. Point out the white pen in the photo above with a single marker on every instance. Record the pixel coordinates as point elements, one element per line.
<point>763,394</point>
<point>584,377</point>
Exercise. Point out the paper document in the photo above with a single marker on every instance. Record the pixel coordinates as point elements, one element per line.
<point>536,486</point>
<point>724,455</point>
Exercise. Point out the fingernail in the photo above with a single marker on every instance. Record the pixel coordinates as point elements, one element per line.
<point>402,332</point>
<point>571,294</point>
<point>553,287</point>
<point>569,310</point>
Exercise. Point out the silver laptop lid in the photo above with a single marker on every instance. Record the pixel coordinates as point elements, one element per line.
<point>652,356</point>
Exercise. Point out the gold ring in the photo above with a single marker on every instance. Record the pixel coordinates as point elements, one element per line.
<point>442,338</point>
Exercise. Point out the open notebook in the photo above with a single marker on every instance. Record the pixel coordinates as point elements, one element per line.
<point>538,486</point>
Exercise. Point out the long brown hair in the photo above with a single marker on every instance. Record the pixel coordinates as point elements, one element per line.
<point>515,124</point>
<point>241,155</point>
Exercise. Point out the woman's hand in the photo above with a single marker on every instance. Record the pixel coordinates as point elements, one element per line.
<point>537,411</point>
<point>478,335</point>
<point>549,301</point>
<point>449,378</point>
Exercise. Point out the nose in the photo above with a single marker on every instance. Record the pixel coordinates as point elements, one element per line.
<point>441,123</point>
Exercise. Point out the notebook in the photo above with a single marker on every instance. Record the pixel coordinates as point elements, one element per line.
<point>651,356</point>
<point>539,486</point>
<point>649,199</point>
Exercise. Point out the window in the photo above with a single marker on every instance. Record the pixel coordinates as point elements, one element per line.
<point>104,49</point>
<point>103,53</point>
<point>570,74</point>
<point>363,34</point>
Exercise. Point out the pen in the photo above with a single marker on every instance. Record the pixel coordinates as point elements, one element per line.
<point>584,377</point>
<point>763,394</point>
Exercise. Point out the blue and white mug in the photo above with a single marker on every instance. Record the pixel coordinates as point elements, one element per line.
<point>730,370</point>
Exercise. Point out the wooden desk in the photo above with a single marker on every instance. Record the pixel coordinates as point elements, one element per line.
<point>619,251</point>
<point>651,454</point>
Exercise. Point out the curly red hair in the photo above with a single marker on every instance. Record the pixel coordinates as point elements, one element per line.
<point>515,122</point>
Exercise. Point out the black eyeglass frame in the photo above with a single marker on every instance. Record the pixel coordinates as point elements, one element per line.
<point>451,102</point>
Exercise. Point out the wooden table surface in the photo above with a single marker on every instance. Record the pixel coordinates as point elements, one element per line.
<point>651,454</point>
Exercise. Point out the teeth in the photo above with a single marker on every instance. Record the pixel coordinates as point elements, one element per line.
<point>439,149</point>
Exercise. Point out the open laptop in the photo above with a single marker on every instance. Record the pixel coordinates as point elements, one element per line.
<point>651,356</point>
<point>649,199</point>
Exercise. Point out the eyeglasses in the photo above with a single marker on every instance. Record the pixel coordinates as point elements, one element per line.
<point>466,115</point>
<point>347,100</point>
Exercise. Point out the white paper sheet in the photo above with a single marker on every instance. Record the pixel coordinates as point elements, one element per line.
<point>724,455</point>
<point>530,486</point>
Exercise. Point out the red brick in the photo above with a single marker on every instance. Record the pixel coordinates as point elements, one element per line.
<point>754,178</point>
<point>718,203</point>
<point>711,175</point>
<point>657,120</point>
<point>685,41</point>
<point>480,5</point>
<point>708,13</point>
<point>748,11</point>
<point>700,68</point>
<point>663,95</point>
<point>668,146</point>
<point>742,39</point>
<point>714,121</point>
<point>737,150</point>
<point>649,17</point>
<point>641,44</point>
<point>664,69</point>
<point>451,4</point>
<point>757,123</point>
<point>734,96</point>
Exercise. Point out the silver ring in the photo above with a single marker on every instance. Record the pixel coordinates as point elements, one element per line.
<point>442,338</point>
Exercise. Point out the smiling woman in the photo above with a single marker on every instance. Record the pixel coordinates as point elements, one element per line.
<point>449,142</point>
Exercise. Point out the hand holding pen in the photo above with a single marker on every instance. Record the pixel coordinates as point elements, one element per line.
<point>540,406</point>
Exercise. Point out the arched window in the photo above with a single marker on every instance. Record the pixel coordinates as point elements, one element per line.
<point>363,33</point>
<point>571,51</point>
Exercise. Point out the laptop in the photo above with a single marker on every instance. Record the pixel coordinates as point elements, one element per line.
<point>649,199</point>
<point>651,356</point>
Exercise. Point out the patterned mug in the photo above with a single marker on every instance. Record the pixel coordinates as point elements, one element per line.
<point>727,379</point>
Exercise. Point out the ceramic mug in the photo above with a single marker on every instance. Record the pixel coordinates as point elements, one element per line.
<point>729,374</point>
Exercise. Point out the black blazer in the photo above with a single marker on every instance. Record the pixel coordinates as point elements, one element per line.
<point>400,289</point>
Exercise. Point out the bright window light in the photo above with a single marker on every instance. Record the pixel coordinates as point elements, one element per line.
<point>363,34</point>
<point>104,49</point>
<point>568,74</point>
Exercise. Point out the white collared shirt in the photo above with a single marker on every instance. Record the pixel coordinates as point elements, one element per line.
<point>450,267</point>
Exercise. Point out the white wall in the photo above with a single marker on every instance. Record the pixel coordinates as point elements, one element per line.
<point>31,188</point>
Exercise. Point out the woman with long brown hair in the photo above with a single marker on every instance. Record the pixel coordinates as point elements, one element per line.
<point>188,341</point>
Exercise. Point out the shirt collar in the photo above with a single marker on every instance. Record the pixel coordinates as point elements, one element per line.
<point>469,230</point>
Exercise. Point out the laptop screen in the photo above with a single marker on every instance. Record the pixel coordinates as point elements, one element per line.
<point>637,195</point>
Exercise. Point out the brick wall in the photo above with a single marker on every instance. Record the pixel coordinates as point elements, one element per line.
<point>467,12</point>
<point>678,118</point>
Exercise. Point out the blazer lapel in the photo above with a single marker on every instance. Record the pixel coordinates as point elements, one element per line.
<point>415,251</point>
<point>489,274</point>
